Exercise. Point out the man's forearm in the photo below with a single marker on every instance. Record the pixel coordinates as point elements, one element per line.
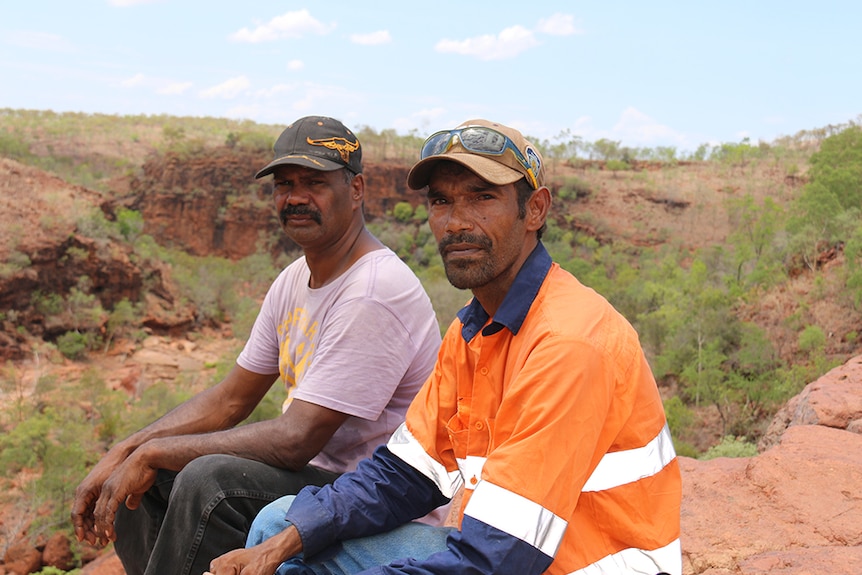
<point>217,408</point>
<point>265,441</point>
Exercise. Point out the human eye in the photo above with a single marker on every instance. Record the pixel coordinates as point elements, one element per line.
<point>436,199</point>
<point>314,182</point>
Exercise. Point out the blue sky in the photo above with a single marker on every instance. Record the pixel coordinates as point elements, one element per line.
<point>649,74</point>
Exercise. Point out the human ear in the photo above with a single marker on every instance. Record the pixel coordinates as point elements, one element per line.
<point>357,187</point>
<point>537,208</point>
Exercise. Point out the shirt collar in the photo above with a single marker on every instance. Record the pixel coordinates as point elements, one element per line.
<point>516,303</point>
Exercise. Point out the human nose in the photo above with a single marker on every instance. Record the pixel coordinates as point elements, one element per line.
<point>458,218</point>
<point>292,195</point>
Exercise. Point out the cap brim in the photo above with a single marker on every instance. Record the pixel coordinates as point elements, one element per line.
<point>486,168</point>
<point>312,162</point>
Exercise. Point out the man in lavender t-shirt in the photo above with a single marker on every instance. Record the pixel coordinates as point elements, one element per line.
<point>346,346</point>
<point>347,328</point>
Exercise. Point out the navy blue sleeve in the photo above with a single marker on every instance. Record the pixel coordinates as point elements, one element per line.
<point>381,494</point>
<point>385,492</point>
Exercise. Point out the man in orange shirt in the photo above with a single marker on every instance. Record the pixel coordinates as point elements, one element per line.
<point>541,406</point>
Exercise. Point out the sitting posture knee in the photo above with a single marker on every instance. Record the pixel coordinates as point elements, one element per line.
<point>206,478</point>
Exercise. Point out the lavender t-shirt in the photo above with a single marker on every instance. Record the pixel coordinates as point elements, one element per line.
<point>362,345</point>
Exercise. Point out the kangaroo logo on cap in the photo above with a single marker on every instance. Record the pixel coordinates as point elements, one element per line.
<point>341,145</point>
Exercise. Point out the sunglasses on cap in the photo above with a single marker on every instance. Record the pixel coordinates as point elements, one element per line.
<point>479,140</point>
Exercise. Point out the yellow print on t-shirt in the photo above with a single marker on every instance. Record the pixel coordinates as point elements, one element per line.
<point>296,336</point>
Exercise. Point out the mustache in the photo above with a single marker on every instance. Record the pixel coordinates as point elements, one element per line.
<point>484,242</point>
<point>291,210</point>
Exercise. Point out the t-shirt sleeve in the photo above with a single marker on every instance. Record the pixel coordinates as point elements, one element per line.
<point>362,355</point>
<point>260,354</point>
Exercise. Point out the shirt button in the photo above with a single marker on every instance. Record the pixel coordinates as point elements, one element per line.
<point>473,480</point>
<point>479,425</point>
<point>484,371</point>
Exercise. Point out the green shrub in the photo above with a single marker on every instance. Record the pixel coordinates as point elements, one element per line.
<point>679,416</point>
<point>617,165</point>
<point>574,188</point>
<point>730,447</point>
<point>130,223</point>
<point>49,570</point>
<point>73,344</point>
<point>14,147</point>
<point>402,212</point>
<point>47,304</point>
<point>15,262</point>
<point>812,339</point>
<point>25,445</point>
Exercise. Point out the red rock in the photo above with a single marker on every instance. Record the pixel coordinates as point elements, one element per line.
<point>800,496</point>
<point>21,559</point>
<point>833,400</point>
<point>825,560</point>
<point>107,564</point>
<point>58,552</point>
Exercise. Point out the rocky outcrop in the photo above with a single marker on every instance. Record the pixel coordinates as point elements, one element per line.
<point>49,245</point>
<point>833,400</point>
<point>794,509</point>
<point>208,203</point>
<point>797,506</point>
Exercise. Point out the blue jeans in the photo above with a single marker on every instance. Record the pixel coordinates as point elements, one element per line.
<point>416,540</point>
<point>189,518</point>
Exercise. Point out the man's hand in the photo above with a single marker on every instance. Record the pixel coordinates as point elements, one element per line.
<point>262,559</point>
<point>127,483</point>
<point>88,493</point>
<point>242,561</point>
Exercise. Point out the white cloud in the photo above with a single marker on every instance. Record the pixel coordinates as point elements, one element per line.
<point>372,39</point>
<point>39,41</point>
<point>284,102</point>
<point>288,25</point>
<point>636,128</point>
<point>558,25</point>
<point>507,44</point>
<point>136,80</point>
<point>228,89</point>
<point>174,88</point>
<point>161,86</point>
<point>276,90</point>
<point>295,65</point>
<point>633,128</point>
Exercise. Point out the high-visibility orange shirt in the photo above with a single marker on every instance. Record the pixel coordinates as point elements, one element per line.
<point>549,416</point>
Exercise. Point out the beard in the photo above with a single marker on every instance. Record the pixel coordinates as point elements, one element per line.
<point>472,272</point>
<point>291,210</point>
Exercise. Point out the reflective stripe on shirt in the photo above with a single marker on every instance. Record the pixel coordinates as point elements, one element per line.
<point>517,516</point>
<point>637,562</point>
<point>471,469</point>
<point>405,447</point>
<point>621,467</point>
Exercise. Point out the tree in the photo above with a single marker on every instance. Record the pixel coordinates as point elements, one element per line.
<point>754,236</point>
<point>607,149</point>
<point>130,223</point>
<point>827,210</point>
<point>837,166</point>
<point>813,221</point>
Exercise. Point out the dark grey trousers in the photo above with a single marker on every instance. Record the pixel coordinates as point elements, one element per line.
<point>189,518</point>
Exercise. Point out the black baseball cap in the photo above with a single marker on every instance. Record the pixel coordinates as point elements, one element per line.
<point>316,142</point>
